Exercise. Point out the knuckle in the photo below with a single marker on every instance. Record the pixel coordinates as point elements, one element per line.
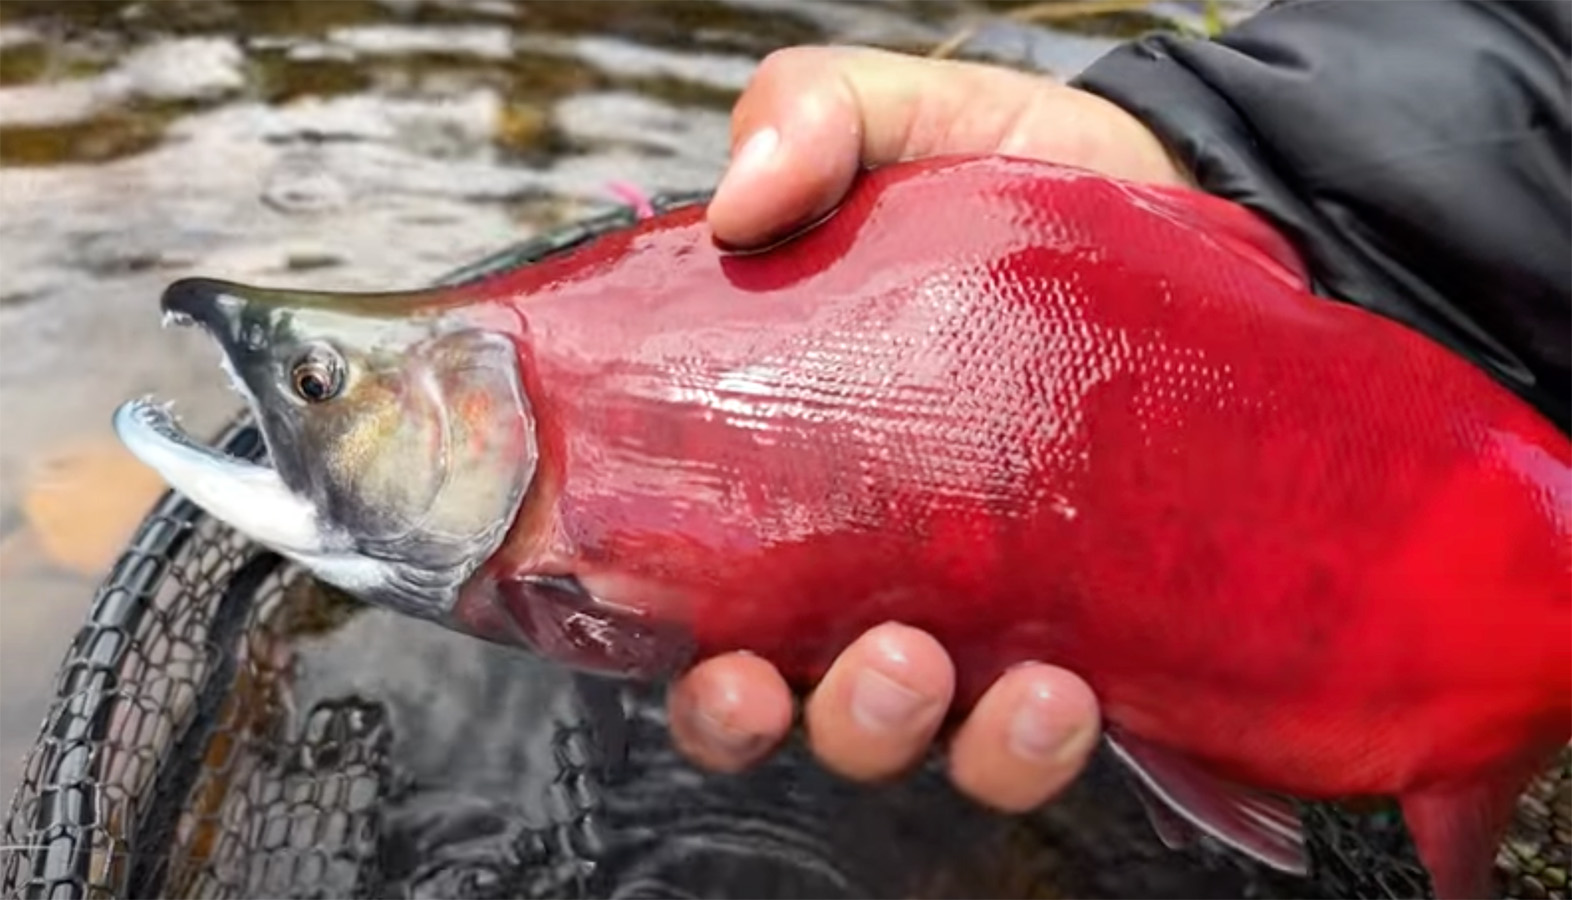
<point>777,62</point>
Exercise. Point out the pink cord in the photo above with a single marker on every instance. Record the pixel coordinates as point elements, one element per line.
<point>632,195</point>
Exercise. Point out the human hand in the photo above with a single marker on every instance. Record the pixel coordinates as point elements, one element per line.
<point>812,116</point>
<point>809,119</point>
<point>879,707</point>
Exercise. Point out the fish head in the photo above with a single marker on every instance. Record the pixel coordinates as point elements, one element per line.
<point>400,441</point>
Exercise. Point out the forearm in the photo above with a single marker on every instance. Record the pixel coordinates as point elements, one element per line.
<point>1420,155</point>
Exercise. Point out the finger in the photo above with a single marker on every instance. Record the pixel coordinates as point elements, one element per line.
<point>811,116</point>
<point>1028,736</point>
<point>729,711</point>
<point>880,704</point>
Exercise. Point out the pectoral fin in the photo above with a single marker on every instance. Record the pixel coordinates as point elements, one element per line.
<point>1260,825</point>
<point>1173,830</point>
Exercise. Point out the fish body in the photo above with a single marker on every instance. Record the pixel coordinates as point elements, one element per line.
<point>1294,547</point>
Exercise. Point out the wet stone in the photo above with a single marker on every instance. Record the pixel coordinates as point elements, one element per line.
<point>22,63</point>
<point>292,77</point>
<point>1554,877</point>
<point>1533,806</point>
<point>61,103</point>
<point>628,60</point>
<point>482,41</point>
<point>14,36</point>
<point>522,127</point>
<point>204,68</point>
<point>1533,888</point>
<point>1517,846</point>
<point>100,139</point>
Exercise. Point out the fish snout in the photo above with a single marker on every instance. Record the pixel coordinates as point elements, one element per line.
<point>215,305</point>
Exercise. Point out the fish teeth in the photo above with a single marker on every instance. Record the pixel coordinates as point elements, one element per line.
<point>149,403</point>
<point>236,383</point>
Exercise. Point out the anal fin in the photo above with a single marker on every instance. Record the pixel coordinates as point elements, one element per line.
<point>1260,825</point>
<point>1457,828</point>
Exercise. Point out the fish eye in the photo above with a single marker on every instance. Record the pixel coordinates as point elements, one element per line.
<point>318,375</point>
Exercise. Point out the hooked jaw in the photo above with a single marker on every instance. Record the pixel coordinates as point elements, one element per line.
<point>228,487</point>
<point>251,497</point>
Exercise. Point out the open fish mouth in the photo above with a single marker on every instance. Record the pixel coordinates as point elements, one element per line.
<point>249,497</point>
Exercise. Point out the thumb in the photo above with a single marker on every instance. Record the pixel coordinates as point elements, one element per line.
<point>811,116</point>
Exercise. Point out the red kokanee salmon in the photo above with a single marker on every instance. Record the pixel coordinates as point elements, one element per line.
<point>1296,548</point>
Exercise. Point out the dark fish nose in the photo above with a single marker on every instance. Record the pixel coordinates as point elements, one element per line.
<point>215,305</point>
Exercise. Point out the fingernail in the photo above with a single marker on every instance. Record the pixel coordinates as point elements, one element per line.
<point>757,149</point>
<point>1037,735</point>
<point>754,153</point>
<point>881,704</point>
<point>723,737</point>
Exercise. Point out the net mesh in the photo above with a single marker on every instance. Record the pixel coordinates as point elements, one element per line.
<point>177,761</point>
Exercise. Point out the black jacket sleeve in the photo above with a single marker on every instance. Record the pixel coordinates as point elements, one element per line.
<point>1418,153</point>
